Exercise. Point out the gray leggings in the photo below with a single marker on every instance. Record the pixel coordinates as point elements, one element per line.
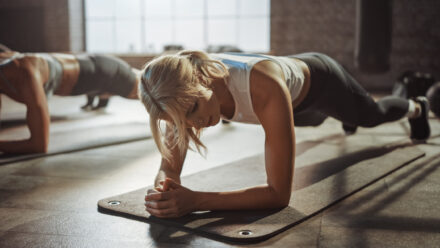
<point>334,92</point>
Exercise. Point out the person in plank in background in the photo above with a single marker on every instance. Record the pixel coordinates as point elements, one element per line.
<point>193,90</point>
<point>30,78</point>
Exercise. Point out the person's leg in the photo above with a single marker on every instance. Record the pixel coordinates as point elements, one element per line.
<point>104,73</point>
<point>103,102</point>
<point>116,75</point>
<point>344,99</point>
<point>89,104</point>
<point>308,118</point>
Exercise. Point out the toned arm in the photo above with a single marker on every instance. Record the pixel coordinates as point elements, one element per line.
<point>31,93</point>
<point>276,117</point>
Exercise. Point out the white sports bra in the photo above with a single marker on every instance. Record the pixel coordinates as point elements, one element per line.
<point>240,65</point>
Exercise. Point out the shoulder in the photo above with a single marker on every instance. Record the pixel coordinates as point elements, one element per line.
<point>7,55</point>
<point>31,65</point>
<point>27,74</point>
<point>34,67</point>
<point>267,83</point>
<point>35,71</point>
<point>64,58</point>
<point>271,100</point>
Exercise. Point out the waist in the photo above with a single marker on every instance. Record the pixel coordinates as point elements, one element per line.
<point>55,73</point>
<point>70,68</point>
<point>306,85</point>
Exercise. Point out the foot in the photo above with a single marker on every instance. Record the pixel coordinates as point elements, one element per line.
<point>103,102</point>
<point>420,129</point>
<point>86,107</point>
<point>349,129</point>
<point>89,105</point>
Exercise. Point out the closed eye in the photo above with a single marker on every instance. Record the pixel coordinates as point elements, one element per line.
<point>194,107</point>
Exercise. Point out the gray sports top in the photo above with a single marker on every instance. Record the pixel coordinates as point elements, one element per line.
<point>240,65</point>
<point>55,73</point>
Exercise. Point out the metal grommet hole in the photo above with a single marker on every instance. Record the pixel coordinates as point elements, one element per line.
<point>114,203</point>
<point>245,232</point>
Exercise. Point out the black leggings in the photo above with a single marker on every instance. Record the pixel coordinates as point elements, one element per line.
<point>334,92</point>
<point>103,74</point>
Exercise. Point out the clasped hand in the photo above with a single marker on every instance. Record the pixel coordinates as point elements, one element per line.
<point>170,201</point>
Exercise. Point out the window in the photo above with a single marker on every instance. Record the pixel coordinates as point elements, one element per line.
<point>126,26</point>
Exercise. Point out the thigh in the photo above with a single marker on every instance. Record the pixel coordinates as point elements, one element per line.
<point>309,118</point>
<point>342,96</point>
<point>116,75</point>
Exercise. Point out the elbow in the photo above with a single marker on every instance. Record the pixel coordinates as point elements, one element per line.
<point>42,149</point>
<point>280,199</point>
<point>283,201</point>
<point>39,149</point>
<point>38,146</point>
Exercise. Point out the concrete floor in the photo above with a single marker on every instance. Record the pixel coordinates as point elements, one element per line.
<point>51,201</point>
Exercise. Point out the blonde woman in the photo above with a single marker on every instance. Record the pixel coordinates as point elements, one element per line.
<point>192,90</point>
<point>30,78</point>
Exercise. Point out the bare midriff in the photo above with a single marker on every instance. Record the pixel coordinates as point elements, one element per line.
<point>70,73</point>
<point>306,86</point>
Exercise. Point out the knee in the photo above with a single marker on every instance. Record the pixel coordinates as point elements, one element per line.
<point>317,122</point>
<point>307,121</point>
<point>369,124</point>
<point>365,120</point>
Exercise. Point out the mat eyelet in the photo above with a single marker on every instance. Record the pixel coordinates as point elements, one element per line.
<point>114,202</point>
<point>245,232</point>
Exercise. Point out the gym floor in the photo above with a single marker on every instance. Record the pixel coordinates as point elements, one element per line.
<point>52,201</point>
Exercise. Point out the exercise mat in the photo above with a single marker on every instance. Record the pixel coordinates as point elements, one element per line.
<point>71,139</point>
<point>317,186</point>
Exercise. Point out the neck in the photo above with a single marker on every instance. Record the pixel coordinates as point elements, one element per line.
<point>224,97</point>
<point>218,87</point>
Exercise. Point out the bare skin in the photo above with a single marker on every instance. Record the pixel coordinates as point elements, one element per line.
<point>274,108</point>
<point>28,75</point>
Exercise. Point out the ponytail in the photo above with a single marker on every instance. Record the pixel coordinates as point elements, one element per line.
<point>203,64</point>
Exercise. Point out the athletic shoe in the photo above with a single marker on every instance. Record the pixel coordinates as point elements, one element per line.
<point>103,102</point>
<point>420,129</point>
<point>89,105</point>
<point>349,129</point>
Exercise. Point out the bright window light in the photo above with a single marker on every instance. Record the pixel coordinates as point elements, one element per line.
<point>147,26</point>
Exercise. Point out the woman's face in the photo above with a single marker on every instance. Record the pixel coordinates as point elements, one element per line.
<point>205,110</point>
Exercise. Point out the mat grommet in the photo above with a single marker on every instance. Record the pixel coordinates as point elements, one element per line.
<point>245,232</point>
<point>114,202</point>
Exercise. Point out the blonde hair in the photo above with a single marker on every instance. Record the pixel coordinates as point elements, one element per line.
<point>169,86</point>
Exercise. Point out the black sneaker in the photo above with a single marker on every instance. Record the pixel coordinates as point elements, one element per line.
<point>420,129</point>
<point>349,129</point>
<point>89,105</point>
<point>102,103</point>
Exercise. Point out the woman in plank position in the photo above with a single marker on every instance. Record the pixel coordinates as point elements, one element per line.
<point>29,78</point>
<point>193,90</point>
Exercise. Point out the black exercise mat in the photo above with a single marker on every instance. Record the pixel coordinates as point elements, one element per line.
<point>71,140</point>
<point>316,187</point>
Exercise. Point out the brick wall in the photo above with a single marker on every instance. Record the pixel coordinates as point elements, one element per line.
<point>41,25</point>
<point>77,25</point>
<point>328,26</point>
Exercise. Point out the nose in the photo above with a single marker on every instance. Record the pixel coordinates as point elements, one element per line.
<point>196,122</point>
